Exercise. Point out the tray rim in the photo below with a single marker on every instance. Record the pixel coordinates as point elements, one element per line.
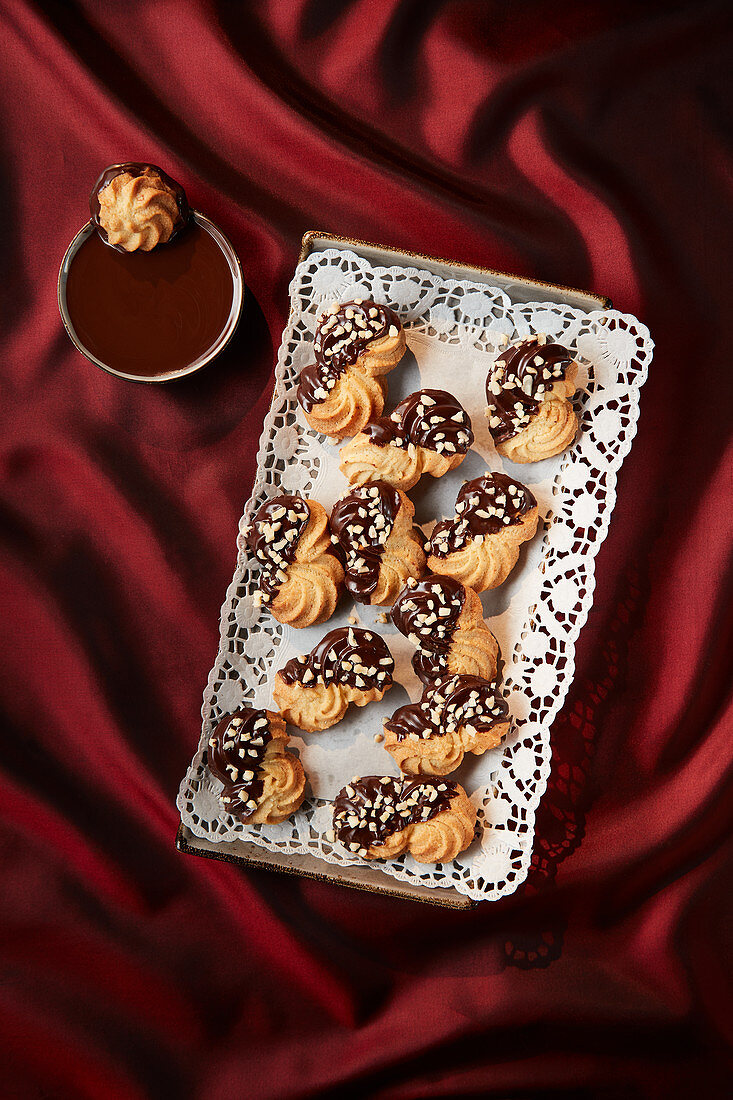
<point>447,898</point>
<point>189,844</point>
<point>313,235</point>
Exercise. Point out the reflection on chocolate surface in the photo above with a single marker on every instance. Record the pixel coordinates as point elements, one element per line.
<point>235,753</point>
<point>138,169</point>
<point>273,537</point>
<point>518,380</point>
<point>433,419</point>
<point>427,612</point>
<point>447,704</point>
<point>349,655</point>
<point>150,314</point>
<point>362,522</point>
<point>343,333</point>
<point>370,809</point>
<point>485,505</point>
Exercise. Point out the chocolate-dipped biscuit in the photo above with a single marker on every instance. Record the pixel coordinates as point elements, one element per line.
<point>456,715</point>
<point>444,619</point>
<point>527,390</point>
<point>480,545</point>
<point>373,526</point>
<point>247,752</point>
<point>380,817</point>
<point>429,432</point>
<point>273,535</point>
<point>300,576</point>
<point>355,344</point>
<point>348,665</point>
<point>137,206</point>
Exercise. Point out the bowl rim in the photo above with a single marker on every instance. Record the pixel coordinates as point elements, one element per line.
<point>227,332</point>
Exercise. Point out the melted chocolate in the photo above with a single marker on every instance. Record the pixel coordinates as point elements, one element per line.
<point>433,419</point>
<point>138,169</point>
<point>350,656</point>
<point>517,381</point>
<point>235,754</point>
<point>427,612</point>
<point>273,537</point>
<point>483,506</point>
<point>342,335</point>
<point>447,704</point>
<point>362,522</point>
<point>369,810</point>
<point>150,314</point>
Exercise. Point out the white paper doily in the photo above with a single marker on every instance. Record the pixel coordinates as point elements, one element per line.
<point>453,330</point>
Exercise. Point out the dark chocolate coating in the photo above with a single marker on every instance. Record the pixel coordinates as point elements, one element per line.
<point>447,704</point>
<point>427,614</point>
<point>150,314</point>
<point>136,168</point>
<point>359,809</point>
<point>338,343</point>
<point>350,656</point>
<point>517,381</point>
<point>235,751</point>
<point>484,506</point>
<point>426,418</point>
<point>273,537</point>
<point>362,522</point>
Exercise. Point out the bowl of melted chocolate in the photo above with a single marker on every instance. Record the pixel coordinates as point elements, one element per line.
<point>148,290</point>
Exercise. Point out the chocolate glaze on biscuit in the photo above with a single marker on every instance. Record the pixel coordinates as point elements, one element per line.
<point>362,521</point>
<point>235,752</point>
<point>273,537</point>
<point>432,419</point>
<point>427,614</point>
<point>343,333</point>
<point>369,810</point>
<point>484,506</point>
<point>451,702</point>
<point>350,656</point>
<point>519,378</point>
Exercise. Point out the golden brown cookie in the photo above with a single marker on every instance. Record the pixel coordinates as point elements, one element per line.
<point>480,546</point>
<point>373,526</point>
<point>300,576</point>
<point>356,344</point>
<point>138,208</point>
<point>263,782</point>
<point>379,817</point>
<point>528,391</point>
<point>456,715</point>
<point>444,619</point>
<point>428,433</point>
<point>349,665</point>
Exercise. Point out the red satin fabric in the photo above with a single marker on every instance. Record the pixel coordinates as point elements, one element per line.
<point>583,144</point>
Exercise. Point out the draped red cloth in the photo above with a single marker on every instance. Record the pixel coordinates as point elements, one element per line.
<point>578,143</point>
